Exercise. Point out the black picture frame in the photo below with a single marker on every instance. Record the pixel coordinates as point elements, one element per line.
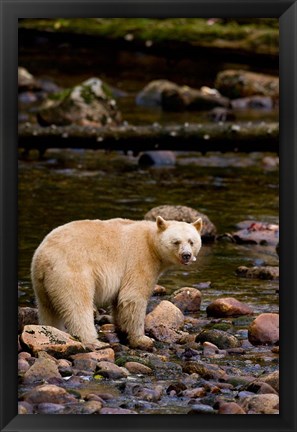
<point>11,11</point>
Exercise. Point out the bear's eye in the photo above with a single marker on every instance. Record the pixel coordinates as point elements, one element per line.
<point>176,242</point>
<point>191,242</point>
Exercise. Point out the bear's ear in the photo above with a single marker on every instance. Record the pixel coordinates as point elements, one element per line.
<point>198,225</point>
<point>161,223</point>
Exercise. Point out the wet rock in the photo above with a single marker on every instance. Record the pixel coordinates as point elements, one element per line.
<point>230,408</point>
<point>159,290</point>
<point>165,314</point>
<point>26,315</point>
<point>220,338</point>
<point>212,351</point>
<point>88,103</point>
<point>183,214</point>
<point>253,102</point>
<point>158,158</point>
<point>176,389</point>
<point>50,408</point>
<point>240,83</point>
<point>254,232</point>
<point>264,330</point>
<point>25,408</point>
<point>88,361</point>
<point>23,366</point>
<point>90,407</point>
<point>108,410</point>
<point>147,394</point>
<point>26,81</point>
<point>239,380</point>
<point>111,370</point>
<point>42,369</point>
<point>64,367</point>
<point>265,273</point>
<point>46,338</point>
<point>138,368</point>
<point>164,334</point>
<point>206,371</point>
<point>48,393</point>
<point>272,379</point>
<point>201,409</point>
<point>194,393</point>
<point>94,397</point>
<point>260,387</point>
<point>261,404</point>
<point>188,300</point>
<point>172,97</point>
<point>225,307</point>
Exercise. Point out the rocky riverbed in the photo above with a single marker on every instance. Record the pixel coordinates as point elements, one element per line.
<point>224,361</point>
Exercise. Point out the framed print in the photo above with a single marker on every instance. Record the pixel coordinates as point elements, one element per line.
<point>148,158</point>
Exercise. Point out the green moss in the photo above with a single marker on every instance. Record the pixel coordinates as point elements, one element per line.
<point>195,31</point>
<point>61,95</point>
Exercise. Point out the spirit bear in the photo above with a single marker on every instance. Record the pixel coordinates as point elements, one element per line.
<point>114,262</point>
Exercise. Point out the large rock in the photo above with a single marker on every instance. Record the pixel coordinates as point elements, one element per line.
<point>42,369</point>
<point>225,307</point>
<point>240,83</point>
<point>264,330</point>
<point>26,315</point>
<point>165,314</point>
<point>261,272</point>
<point>187,299</point>
<point>172,97</point>
<point>37,338</point>
<point>261,404</point>
<point>87,104</point>
<point>48,393</point>
<point>183,214</point>
<point>220,338</point>
<point>255,232</point>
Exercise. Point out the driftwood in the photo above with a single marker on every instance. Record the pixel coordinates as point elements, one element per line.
<point>225,137</point>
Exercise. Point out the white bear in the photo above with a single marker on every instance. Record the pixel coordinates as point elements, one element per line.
<point>114,262</point>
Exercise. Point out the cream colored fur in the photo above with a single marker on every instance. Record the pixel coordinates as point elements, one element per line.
<point>115,262</point>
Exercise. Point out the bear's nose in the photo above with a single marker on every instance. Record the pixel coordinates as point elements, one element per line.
<point>186,256</point>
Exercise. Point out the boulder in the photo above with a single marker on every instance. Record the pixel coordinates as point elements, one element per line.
<point>87,104</point>
<point>255,232</point>
<point>220,338</point>
<point>26,315</point>
<point>42,369</point>
<point>165,314</point>
<point>241,83</point>
<point>111,370</point>
<point>264,330</point>
<point>225,307</point>
<point>188,300</point>
<point>37,338</point>
<point>184,214</point>
<point>48,393</point>
<point>261,404</point>
<point>261,272</point>
<point>172,97</point>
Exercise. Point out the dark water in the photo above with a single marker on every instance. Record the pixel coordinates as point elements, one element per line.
<point>85,185</point>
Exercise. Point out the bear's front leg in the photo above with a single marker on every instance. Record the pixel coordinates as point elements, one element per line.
<point>129,315</point>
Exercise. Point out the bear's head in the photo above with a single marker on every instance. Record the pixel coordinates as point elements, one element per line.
<point>178,242</point>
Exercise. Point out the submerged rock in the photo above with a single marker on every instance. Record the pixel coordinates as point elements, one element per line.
<point>87,104</point>
<point>228,306</point>
<point>264,330</point>
<point>266,273</point>
<point>183,214</point>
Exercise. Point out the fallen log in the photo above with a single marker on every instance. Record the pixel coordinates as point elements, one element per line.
<point>224,137</point>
